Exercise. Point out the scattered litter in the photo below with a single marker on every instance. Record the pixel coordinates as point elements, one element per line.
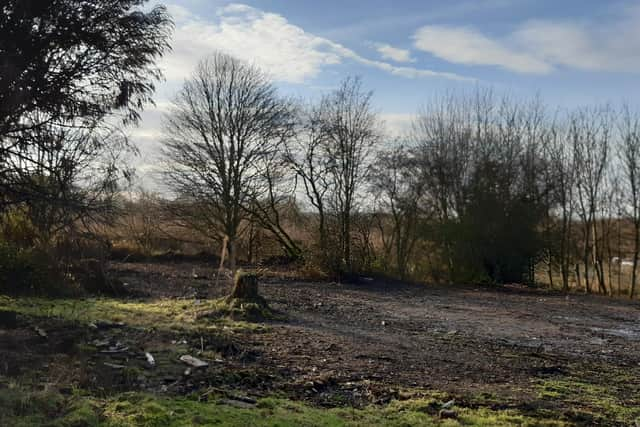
<point>383,323</point>
<point>193,361</point>
<point>101,343</point>
<point>117,348</point>
<point>150,360</point>
<point>114,366</point>
<point>40,331</point>
<point>448,404</point>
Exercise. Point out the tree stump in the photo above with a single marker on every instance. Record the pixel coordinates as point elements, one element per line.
<point>245,287</point>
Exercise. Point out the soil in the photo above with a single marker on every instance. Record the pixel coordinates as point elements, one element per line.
<point>352,344</point>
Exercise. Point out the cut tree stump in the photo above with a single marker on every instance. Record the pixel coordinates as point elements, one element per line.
<point>245,287</point>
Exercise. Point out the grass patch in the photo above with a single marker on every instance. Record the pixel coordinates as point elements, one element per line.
<point>166,314</point>
<point>595,395</point>
<point>19,408</point>
<point>591,403</point>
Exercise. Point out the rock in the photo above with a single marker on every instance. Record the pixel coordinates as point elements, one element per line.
<point>448,414</point>
<point>193,361</point>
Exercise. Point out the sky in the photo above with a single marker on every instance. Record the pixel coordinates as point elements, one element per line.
<point>569,52</point>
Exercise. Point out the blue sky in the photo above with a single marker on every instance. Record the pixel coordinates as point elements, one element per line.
<point>570,52</point>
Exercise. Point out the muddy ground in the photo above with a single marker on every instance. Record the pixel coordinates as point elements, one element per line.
<point>369,342</point>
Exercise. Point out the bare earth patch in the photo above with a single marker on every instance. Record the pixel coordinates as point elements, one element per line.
<point>572,357</point>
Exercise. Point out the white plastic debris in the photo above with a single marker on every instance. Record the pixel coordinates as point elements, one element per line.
<point>193,361</point>
<point>150,360</point>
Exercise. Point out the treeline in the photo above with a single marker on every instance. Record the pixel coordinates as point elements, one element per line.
<point>483,188</point>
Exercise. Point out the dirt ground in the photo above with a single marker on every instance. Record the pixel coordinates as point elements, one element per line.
<point>370,342</point>
<point>456,338</point>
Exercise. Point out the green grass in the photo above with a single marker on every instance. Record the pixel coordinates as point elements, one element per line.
<point>166,314</point>
<point>615,399</point>
<point>21,408</point>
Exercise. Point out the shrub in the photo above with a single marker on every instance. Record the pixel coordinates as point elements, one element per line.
<point>32,271</point>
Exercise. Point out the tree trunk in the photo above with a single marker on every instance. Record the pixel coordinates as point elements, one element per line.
<point>636,249</point>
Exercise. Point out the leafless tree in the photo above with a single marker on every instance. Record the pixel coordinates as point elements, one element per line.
<point>66,175</point>
<point>272,202</point>
<point>330,157</point>
<point>630,156</point>
<point>560,175</point>
<point>225,122</point>
<point>398,187</point>
<point>306,158</point>
<point>349,133</point>
<point>590,131</point>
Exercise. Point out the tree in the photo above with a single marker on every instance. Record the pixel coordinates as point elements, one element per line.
<point>271,201</point>
<point>226,122</point>
<point>71,58</point>
<point>349,132</point>
<point>398,188</point>
<point>481,166</point>
<point>305,156</point>
<point>560,179</point>
<point>630,156</point>
<point>590,132</point>
<point>65,66</point>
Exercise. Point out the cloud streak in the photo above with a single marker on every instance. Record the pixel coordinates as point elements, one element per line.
<point>282,49</point>
<point>387,51</point>
<point>542,46</point>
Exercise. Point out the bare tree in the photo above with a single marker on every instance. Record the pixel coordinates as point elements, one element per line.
<point>306,158</point>
<point>398,187</point>
<point>226,121</point>
<point>590,131</point>
<point>66,175</point>
<point>272,202</point>
<point>561,178</point>
<point>630,156</point>
<point>349,132</point>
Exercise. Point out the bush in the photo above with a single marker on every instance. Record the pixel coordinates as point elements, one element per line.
<point>21,270</point>
<point>32,271</point>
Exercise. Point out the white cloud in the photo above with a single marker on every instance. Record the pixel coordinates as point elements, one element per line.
<point>284,50</point>
<point>540,46</point>
<point>605,47</point>
<point>393,53</point>
<point>464,45</point>
<point>397,124</point>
